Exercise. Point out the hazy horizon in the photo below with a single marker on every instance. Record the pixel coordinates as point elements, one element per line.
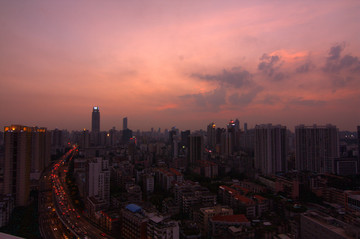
<point>183,64</point>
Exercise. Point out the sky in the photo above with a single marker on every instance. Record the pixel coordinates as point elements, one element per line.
<point>179,63</point>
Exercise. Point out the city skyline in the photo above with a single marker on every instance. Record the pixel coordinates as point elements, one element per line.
<point>180,64</point>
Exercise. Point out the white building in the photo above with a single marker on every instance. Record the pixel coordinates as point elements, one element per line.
<point>160,228</point>
<point>98,179</point>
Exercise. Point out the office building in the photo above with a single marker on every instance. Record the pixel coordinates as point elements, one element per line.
<point>270,149</point>
<point>95,123</point>
<point>95,127</point>
<point>317,147</point>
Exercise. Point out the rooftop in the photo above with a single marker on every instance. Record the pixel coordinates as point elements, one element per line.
<point>133,208</point>
<point>230,218</point>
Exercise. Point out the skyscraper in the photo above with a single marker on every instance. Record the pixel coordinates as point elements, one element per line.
<point>27,149</point>
<point>230,138</point>
<point>211,135</point>
<point>270,149</point>
<point>95,123</point>
<point>358,141</point>
<point>316,148</point>
<point>95,127</point>
<point>125,123</point>
<point>196,148</point>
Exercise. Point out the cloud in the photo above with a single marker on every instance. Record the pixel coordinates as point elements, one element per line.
<point>270,66</point>
<point>335,52</point>
<point>244,98</point>
<point>335,63</point>
<point>341,70</point>
<point>305,68</point>
<point>303,102</point>
<point>236,77</point>
<point>208,101</point>
<point>271,99</point>
<point>340,82</point>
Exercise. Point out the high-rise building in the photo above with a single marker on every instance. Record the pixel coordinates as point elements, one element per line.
<point>125,123</point>
<point>173,141</point>
<point>270,149</point>
<point>84,141</point>
<point>358,136</point>
<point>98,179</point>
<point>230,138</point>
<point>95,127</point>
<point>41,151</point>
<point>237,125</point>
<point>196,148</point>
<point>317,147</point>
<point>27,149</point>
<point>57,141</point>
<point>211,135</point>
<point>185,140</point>
<point>95,123</point>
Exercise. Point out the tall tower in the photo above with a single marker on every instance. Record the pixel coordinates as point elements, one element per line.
<point>27,149</point>
<point>316,148</point>
<point>196,148</point>
<point>17,163</point>
<point>125,123</point>
<point>270,149</point>
<point>95,123</point>
<point>358,136</point>
<point>230,138</point>
<point>211,135</point>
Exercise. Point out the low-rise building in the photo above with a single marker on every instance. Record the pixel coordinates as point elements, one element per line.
<point>134,222</point>
<point>159,227</point>
<point>315,224</point>
<point>6,208</point>
<point>203,215</point>
<point>220,224</point>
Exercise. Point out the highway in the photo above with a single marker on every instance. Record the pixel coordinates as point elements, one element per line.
<point>73,220</point>
<point>49,224</point>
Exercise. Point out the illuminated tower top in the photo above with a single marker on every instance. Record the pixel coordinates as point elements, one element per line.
<point>95,123</point>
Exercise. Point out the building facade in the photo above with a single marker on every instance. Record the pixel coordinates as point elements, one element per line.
<point>27,149</point>
<point>317,147</point>
<point>270,149</point>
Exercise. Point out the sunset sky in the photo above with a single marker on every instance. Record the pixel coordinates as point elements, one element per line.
<point>179,63</point>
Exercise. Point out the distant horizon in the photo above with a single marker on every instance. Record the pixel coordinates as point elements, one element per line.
<point>250,125</point>
<point>180,63</point>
